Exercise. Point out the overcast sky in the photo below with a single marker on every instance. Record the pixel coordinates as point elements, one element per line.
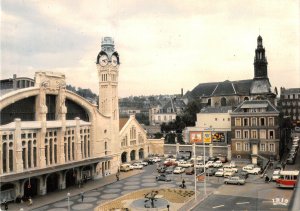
<point>163,45</point>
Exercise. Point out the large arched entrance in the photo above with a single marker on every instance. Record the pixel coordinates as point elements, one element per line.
<point>70,178</point>
<point>7,192</point>
<point>132,155</point>
<point>86,173</point>
<point>52,182</point>
<point>141,153</point>
<point>31,187</point>
<point>124,157</point>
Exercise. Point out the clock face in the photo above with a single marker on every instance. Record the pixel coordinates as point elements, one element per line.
<point>114,60</point>
<point>103,60</point>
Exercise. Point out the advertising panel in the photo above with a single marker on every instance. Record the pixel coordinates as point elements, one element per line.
<point>207,137</point>
<point>195,137</point>
<point>218,137</point>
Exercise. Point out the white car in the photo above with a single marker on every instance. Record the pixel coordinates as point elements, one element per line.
<point>184,164</point>
<point>156,159</point>
<point>275,175</point>
<point>178,170</point>
<point>251,169</point>
<point>137,166</point>
<point>229,173</point>
<point>232,164</point>
<point>173,160</point>
<point>219,173</point>
<point>209,164</point>
<point>230,168</point>
<point>142,163</point>
<point>217,164</point>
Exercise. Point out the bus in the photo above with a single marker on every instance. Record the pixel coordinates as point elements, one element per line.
<point>287,179</point>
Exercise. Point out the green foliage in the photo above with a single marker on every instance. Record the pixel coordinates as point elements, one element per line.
<point>86,93</point>
<point>158,135</point>
<point>142,118</point>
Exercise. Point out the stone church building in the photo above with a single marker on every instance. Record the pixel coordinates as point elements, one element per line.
<point>231,93</point>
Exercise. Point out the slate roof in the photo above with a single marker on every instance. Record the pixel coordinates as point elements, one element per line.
<point>229,88</point>
<point>291,91</point>
<point>256,104</point>
<point>222,109</point>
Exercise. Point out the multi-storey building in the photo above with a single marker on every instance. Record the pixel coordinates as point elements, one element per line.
<point>289,104</point>
<point>255,131</point>
<point>51,138</point>
<point>166,113</point>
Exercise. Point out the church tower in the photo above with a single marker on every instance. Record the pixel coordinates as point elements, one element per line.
<point>260,61</point>
<point>108,70</point>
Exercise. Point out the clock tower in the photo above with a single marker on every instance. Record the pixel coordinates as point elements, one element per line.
<point>108,70</point>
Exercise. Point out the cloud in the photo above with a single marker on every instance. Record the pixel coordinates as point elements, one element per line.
<point>163,45</point>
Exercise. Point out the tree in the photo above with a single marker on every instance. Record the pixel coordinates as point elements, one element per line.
<point>189,115</point>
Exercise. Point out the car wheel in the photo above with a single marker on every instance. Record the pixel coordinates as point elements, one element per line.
<point>239,183</point>
<point>226,183</point>
<point>255,173</point>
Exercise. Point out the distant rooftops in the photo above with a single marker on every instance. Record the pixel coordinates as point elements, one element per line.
<point>222,109</point>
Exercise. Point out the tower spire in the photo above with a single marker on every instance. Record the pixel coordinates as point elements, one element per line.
<point>260,60</point>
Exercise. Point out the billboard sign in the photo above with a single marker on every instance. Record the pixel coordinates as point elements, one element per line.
<point>195,137</point>
<point>218,137</point>
<point>207,137</point>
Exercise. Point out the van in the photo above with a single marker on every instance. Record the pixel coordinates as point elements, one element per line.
<point>125,167</point>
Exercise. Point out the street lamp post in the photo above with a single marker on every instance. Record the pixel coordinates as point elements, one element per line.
<point>204,163</point>
<point>194,150</point>
<point>68,195</point>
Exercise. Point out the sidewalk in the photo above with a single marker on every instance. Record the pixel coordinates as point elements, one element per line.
<point>39,201</point>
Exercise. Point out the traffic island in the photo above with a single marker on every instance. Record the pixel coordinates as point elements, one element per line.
<point>163,199</point>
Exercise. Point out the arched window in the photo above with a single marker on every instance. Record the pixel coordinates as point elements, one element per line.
<point>223,101</point>
<point>246,98</point>
<point>209,102</point>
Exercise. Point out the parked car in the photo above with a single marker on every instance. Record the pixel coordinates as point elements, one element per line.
<point>149,161</point>
<point>244,174</point>
<point>137,166</point>
<point>209,164</point>
<point>169,170</point>
<point>200,165</point>
<point>219,173</point>
<point>163,177</point>
<point>290,160</point>
<point>275,175</point>
<point>232,164</point>
<point>229,173</point>
<point>217,164</point>
<point>222,158</point>
<point>178,170</point>
<point>251,169</point>
<point>230,168</point>
<point>234,180</point>
<point>210,171</point>
<point>125,167</point>
<point>141,163</point>
<point>156,159</point>
<point>278,166</point>
<point>184,164</point>
<point>161,169</point>
<point>189,171</point>
<point>213,159</point>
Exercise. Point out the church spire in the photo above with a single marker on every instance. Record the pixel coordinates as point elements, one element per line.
<point>260,60</point>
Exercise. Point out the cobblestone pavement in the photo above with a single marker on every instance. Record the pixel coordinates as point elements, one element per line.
<point>146,179</point>
<point>102,190</point>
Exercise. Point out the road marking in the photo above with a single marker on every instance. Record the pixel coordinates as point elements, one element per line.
<point>246,202</point>
<point>218,206</point>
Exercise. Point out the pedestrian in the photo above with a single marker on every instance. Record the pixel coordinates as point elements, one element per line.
<point>5,205</point>
<point>30,202</point>
<point>118,176</point>
<point>183,183</point>
<point>82,196</point>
